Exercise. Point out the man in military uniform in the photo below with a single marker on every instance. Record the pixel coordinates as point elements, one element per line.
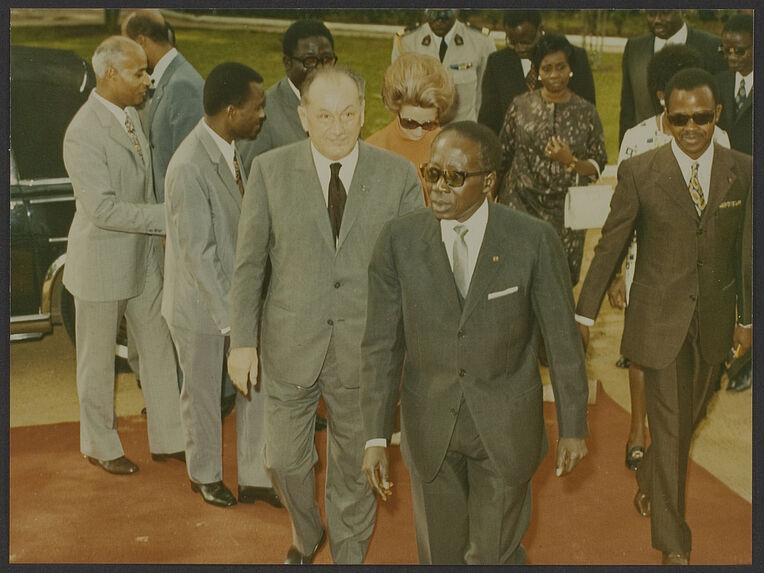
<point>462,48</point>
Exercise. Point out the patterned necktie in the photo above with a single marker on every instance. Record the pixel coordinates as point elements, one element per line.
<point>132,135</point>
<point>239,182</point>
<point>337,198</point>
<point>696,192</point>
<point>741,95</point>
<point>531,77</point>
<point>461,260</point>
<point>443,48</point>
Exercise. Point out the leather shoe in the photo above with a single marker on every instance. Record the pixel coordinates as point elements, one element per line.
<point>180,456</point>
<point>215,493</point>
<point>120,466</point>
<point>642,503</point>
<point>676,558</point>
<point>634,455</point>
<point>741,381</point>
<point>320,423</point>
<point>250,494</point>
<point>294,557</point>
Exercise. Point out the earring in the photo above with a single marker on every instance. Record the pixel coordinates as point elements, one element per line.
<point>570,75</point>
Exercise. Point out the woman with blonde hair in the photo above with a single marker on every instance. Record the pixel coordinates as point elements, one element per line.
<point>418,90</point>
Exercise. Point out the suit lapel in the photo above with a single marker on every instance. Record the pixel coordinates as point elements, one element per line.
<point>668,177</point>
<point>722,178</point>
<point>488,262</point>
<point>356,197</point>
<point>160,87</point>
<point>288,102</point>
<point>436,260</point>
<point>227,180</point>
<point>306,178</point>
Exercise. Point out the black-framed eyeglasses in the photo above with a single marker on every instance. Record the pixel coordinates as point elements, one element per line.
<point>454,179</point>
<point>407,123</point>
<point>729,51</point>
<point>310,62</point>
<point>682,119</point>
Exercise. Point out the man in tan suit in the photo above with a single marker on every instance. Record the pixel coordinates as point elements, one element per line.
<point>113,264</point>
<point>315,208</point>
<point>690,203</point>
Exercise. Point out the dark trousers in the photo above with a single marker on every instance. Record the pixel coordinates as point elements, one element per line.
<point>676,398</point>
<point>469,514</point>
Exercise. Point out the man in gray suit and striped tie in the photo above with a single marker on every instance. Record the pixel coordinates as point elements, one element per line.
<point>205,185</point>
<point>113,264</point>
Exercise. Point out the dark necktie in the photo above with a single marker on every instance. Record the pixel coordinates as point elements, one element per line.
<point>132,135</point>
<point>337,198</point>
<point>239,182</point>
<point>443,48</point>
<point>741,95</point>
<point>531,77</point>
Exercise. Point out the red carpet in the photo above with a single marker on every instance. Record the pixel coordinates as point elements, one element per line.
<point>64,510</point>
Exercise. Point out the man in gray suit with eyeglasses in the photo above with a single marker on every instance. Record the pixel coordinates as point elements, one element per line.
<point>113,264</point>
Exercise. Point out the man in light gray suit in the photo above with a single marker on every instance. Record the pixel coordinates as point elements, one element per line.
<point>314,208</point>
<point>175,103</point>
<point>306,45</point>
<point>463,290</point>
<point>113,263</point>
<point>204,191</point>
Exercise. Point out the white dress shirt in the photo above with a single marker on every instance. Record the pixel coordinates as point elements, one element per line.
<point>117,111</point>
<point>476,226</point>
<point>748,82</point>
<point>324,170</point>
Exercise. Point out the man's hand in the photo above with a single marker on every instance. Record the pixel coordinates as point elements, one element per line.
<point>242,367</point>
<point>616,294</point>
<point>376,465</point>
<point>570,451</point>
<point>584,335</point>
<point>742,340</point>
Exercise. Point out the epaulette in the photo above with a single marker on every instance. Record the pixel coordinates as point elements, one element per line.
<point>408,29</point>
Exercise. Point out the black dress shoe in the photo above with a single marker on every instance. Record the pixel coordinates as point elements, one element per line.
<point>120,466</point>
<point>320,423</point>
<point>623,362</point>
<point>742,380</point>
<point>294,557</point>
<point>634,455</point>
<point>215,493</point>
<point>250,494</point>
<point>642,503</point>
<point>180,456</point>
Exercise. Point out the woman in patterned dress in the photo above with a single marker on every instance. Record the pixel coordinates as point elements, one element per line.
<point>552,139</point>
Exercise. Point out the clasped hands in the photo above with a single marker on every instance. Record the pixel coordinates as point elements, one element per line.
<point>558,150</point>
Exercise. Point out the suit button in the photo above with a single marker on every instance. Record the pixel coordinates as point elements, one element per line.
<point>461,333</point>
<point>330,322</point>
<point>337,284</point>
<point>700,264</point>
<point>462,372</point>
<point>699,231</point>
<point>453,411</point>
<point>693,297</point>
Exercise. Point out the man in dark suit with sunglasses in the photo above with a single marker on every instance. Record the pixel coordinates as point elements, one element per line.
<point>690,203</point>
<point>463,290</point>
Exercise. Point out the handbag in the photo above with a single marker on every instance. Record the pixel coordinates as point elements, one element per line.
<point>587,206</point>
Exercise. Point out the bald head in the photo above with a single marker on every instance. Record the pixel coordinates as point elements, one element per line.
<point>149,28</point>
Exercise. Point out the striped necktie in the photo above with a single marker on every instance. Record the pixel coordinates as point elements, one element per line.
<point>696,191</point>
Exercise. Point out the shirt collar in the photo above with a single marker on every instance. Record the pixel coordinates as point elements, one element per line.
<point>227,149</point>
<point>323,163</point>
<point>162,66</point>
<point>679,38</point>
<point>294,88</point>
<point>685,161</point>
<point>117,111</point>
<point>477,221</point>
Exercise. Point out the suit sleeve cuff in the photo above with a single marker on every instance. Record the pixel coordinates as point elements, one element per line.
<point>382,442</point>
<point>745,325</point>
<point>225,331</point>
<point>583,320</point>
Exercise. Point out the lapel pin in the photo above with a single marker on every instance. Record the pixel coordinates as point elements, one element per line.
<point>730,179</point>
<point>496,258</point>
<point>363,187</point>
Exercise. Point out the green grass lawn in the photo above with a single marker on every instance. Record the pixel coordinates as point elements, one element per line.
<point>262,51</point>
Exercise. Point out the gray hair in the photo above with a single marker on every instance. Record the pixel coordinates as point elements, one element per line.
<point>328,70</point>
<point>112,52</point>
